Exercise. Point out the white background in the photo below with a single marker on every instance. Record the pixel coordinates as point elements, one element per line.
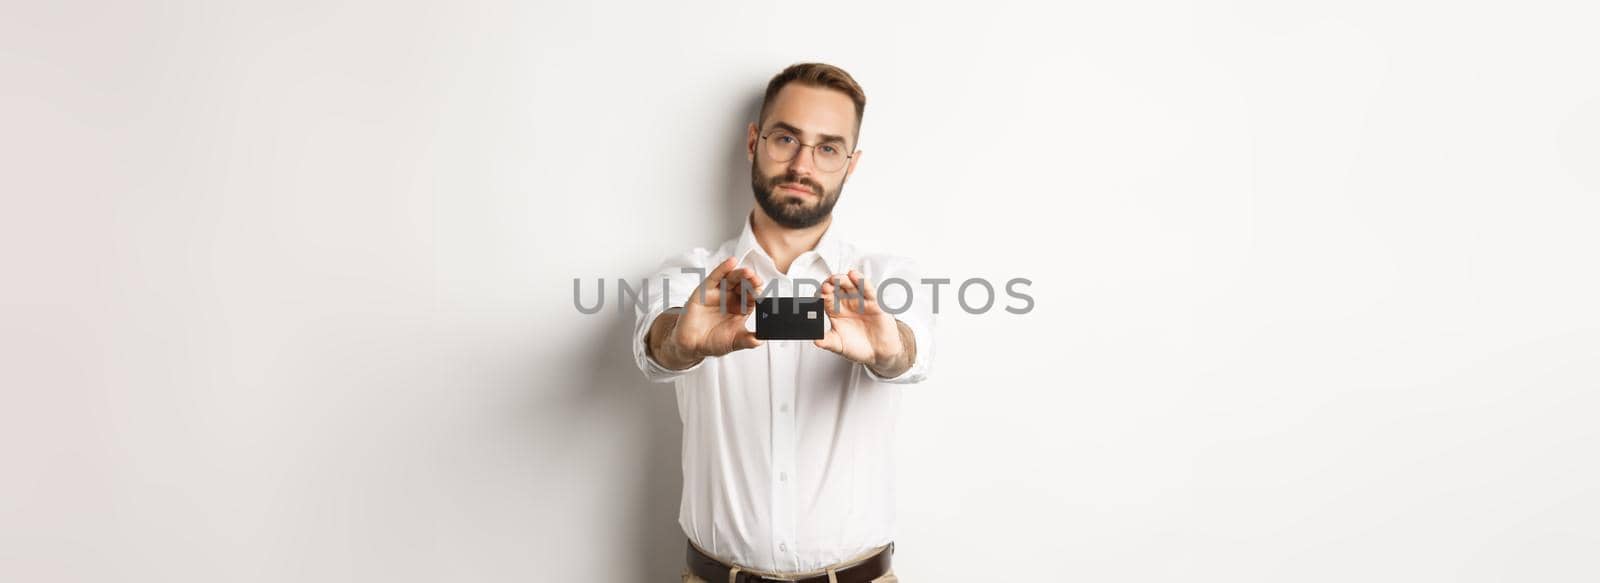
<point>287,286</point>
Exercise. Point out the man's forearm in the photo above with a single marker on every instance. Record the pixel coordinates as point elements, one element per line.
<point>660,346</point>
<point>908,354</point>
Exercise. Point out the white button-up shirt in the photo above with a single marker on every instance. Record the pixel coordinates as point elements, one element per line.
<point>787,448</point>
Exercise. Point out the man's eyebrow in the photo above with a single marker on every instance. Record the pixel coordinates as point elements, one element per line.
<point>778,125</point>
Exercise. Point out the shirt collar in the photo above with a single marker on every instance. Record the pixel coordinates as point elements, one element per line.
<point>829,248</point>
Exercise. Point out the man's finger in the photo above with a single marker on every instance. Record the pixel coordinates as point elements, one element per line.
<point>714,279</point>
<point>749,275</point>
<point>828,305</point>
<point>749,287</point>
<point>746,286</point>
<point>847,285</point>
<point>828,342</point>
<point>747,339</point>
<point>867,292</point>
<point>851,292</point>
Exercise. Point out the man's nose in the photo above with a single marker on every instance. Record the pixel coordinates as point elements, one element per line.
<point>804,162</point>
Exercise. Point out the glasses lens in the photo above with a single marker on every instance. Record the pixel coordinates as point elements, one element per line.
<point>829,155</point>
<point>782,146</point>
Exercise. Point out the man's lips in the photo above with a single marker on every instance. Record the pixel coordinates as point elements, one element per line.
<point>796,188</point>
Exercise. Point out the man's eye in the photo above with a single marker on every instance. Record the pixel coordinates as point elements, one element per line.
<point>830,149</point>
<point>786,140</point>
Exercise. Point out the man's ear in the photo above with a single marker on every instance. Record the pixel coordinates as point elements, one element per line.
<point>750,143</point>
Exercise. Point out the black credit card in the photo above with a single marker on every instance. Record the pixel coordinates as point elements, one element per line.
<point>790,319</point>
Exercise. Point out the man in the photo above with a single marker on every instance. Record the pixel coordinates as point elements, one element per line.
<point>787,446</point>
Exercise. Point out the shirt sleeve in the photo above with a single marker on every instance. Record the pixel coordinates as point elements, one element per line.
<point>668,288</point>
<point>904,279</point>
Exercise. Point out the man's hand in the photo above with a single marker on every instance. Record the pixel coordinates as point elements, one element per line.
<point>712,321</point>
<point>859,328</point>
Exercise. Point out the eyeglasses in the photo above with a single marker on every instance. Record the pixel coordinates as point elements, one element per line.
<point>783,146</point>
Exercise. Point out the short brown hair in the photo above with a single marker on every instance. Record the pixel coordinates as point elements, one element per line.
<point>816,75</point>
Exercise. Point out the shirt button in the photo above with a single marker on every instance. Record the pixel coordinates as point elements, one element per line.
<point>783,548</point>
<point>784,408</point>
<point>783,477</point>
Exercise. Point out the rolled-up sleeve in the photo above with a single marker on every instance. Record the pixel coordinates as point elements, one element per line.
<point>668,288</point>
<point>904,292</point>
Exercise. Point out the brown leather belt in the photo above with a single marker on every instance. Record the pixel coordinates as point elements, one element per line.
<point>714,571</point>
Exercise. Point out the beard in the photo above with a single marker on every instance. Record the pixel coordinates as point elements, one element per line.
<point>790,210</point>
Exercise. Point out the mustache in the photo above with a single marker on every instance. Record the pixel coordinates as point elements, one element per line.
<point>815,187</point>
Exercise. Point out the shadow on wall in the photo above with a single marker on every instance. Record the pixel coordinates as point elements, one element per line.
<point>655,543</point>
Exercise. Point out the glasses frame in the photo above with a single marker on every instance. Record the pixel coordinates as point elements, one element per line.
<point>804,146</point>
